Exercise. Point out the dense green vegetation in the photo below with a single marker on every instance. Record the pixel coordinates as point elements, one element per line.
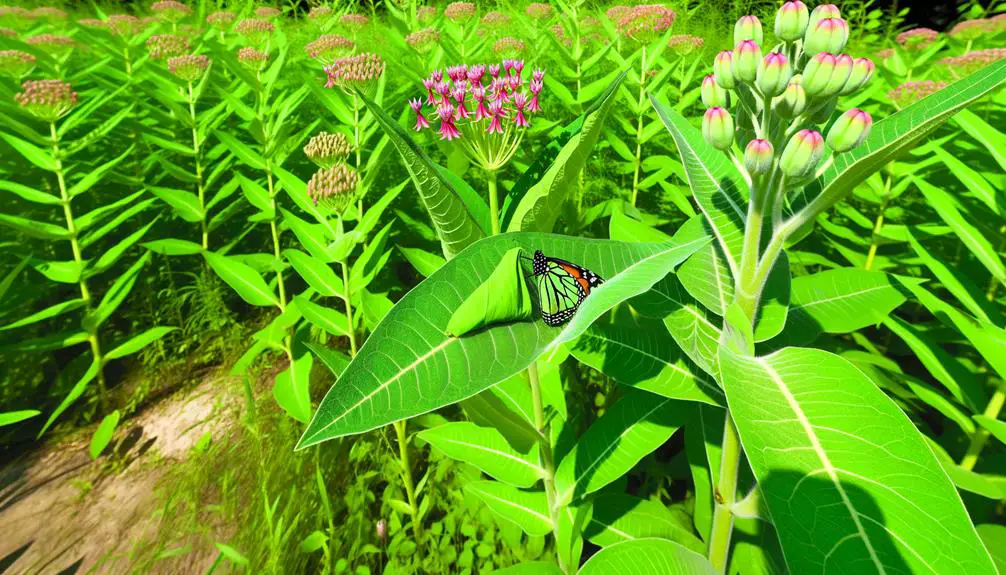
<point>794,362</point>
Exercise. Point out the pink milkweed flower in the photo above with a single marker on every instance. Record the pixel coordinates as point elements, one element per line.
<point>514,82</point>
<point>499,89</point>
<point>475,74</point>
<point>479,95</point>
<point>429,84</point>
<point>437,75</point>
<point>535,86</point>
<point>494,70</point>
<point>457,73</point>
<point>448,131</point>
<point>507,65</point>
<point>458,93</point>
<point>421,121</point>
<point>538,74</point>
<point>518,66</point>
<point>496,109</point>
<point>520,102</point>
<point>444,89</point>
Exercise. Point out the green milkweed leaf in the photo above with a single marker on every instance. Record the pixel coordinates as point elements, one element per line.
<point>816,429</point>
<point>619,517</point>
<point>647,556</point>
<point>503,297</point>
<point>316,273</point>
<point>12,417</point>
<point>292,388</point>
<point>423,261</point>
<point>29,194</point>
<point>328,319</point>
<point>184,203</point>
<point>103,435</point>
<point>247,282</point>
<point>487,449</point>
<point>32,153</point>
<point>75,392</point>
<point>35,228</point>
<point>51,311</point>
<point>173,247</point>
<point>428,369</point>
<point>138,342</point>
<point>116,294</point>
<point>526,509</point>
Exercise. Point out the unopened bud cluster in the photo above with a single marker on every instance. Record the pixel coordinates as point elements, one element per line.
<point>426,14</point>
<point>967,64</point>
<point>359,72</point>
<point>423,40</point>
<point>164,46</point>
<point>124,25</point>
<point>252,58</point>
<point>787,91</point>
<point>221,19</point>
<point>170,10</point>
<point>495,21</point>
<point>460,12</point>
<point>47,100</point>
<point>539,11</point>
<point>333,188</point>
<point>320,13</point>
<point>329,47</point>
<point>15,63</point>
<point>917,38</point>
<point>642,23</point>
<point>684,44</point>
<point>189,67</point>
<point>267,12</point>
<point>509,46</point>
<point>353,21</point>
<point>326,150</point>
<point>255,29</point>
<point>58,47</point>
<point>48,13</point>
<point>910,92</point>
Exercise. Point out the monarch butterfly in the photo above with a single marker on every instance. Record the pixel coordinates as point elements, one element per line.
<point>562,287</point>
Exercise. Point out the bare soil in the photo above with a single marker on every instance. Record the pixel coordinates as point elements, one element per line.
<point>62,513</point>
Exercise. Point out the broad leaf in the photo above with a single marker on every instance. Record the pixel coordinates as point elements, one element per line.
<point>138,342</point>
<point>486,449</point>
<point>292,388</point>
<point>635,426</point>
<point>328,319</point>
<point>647,556</point>
<point>526,509</point>
<point>103,435</point>
<point>408,366</point>
<point>184,203</point>
<point>849,480</point>
<point>12,417</point>
<point>243,279</point>
<point>618,517</point>
<point>423,261</point>
<point>317,274</point>
<point>173,247</point>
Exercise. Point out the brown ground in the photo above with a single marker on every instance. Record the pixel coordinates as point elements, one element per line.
<point>62,513</point>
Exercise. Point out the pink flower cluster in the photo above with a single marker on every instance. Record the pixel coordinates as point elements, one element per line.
<point>423,40</point>
<point>971,30</point>
<point>189,67</point>
<point>329,46</point>
<point>7,33</point>
<point>685,43</point>
<point>426,13</point>
<point>267,12</point>
<point>255,27</point>
<point>162,46</point>
<point>459,11</point>
<point>495,20</point>
<point>961,66</point>
<point>252,58</point>
<point>220,19</point>
<point>333,187</point>
<point>15,63</point>
<point>464,93</point>
<point>47,100</point>
<point>353,21</point>
<point>125,25</point>
<point>911,92</point>
<point>320,12</point>
<point>48,13</point>
<point>539,11</point>
<point>509,46</point>
<point>170,10</point>
<point>358,71</point>
<point>917,38</point>
<point>643,22</point>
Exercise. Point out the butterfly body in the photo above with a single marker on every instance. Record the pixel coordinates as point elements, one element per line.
<point>562,287</point>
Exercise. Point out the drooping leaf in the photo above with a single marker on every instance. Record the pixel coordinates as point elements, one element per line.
<point>872,497</point>
<point>75,392</point>
<point>428,369</point>
<point>292,387</point>
<point>527,509</point>
<point>647,556</point>
<point>423,261</point>
<point>328,319</point>
<point>184,203</point>
<point>243,279</point>
<point>486,449</point>
<point>618,517</point>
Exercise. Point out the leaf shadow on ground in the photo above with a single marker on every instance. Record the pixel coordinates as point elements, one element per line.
<point>830,526</point>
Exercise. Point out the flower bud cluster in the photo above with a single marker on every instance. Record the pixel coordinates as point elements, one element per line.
<point>48,13</point>
<point>642,23</point>
<point>329,47</point>
<point>189,67</point>
<point>508,46</point>
<point>15,63</point>
<point>460,12</point>
<point>353,22</point>
<point>590,28</point>
<point>170,10</point>
<point>326,150</point>
<point>359,72</point>
<point>967,64</point>
<point>58,47</point>
<point>334,187</point>
<point>221,19</point>
<point>684,44</point>
<point>319,13</point>
<point>910,92</point>
<point>495,21</point>
<point>162,46</point>
<point>255,29</point>
<point>426,14</point>
<point>47,100</point>
<point>917,38</point>
<point>252,58</point>
<point>539,11</point>
<point>7,33</point>
<point>15,16</point>
<point>784,94</point>
<point>423,40</point>
<point>971,30</point>
<point>267,12</point>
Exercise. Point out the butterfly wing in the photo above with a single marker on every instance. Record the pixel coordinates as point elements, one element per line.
<point>559,294</point>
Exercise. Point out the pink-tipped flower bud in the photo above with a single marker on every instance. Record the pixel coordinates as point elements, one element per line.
<point>849,130</point>
<point>774,73</point>
<point>713,95</point>
<point>791,21</point>
<point>252,59</point>
<point>748,28</point>
<point>718,128</point>
<point>47,100</point>
<point>802,154</point>
<point>823,11</point>
<point>862,71</point>
<point>326,149</point>
<point>827,35</point>
<point>758,157</point>
<point>334,188</point>
<point>839,77</point>
<point>723,69</point>
<point>189,67</point>
<point>817,73</point>
<point>793,101</point>
<point>747,56</point>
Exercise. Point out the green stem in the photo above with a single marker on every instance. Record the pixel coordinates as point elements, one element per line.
<point>356,144</point>
<point>410,490</point>
<point>639,127</point>
<point>85,293</point>
<point>199,167</point>
<point>349,308</point>
<point>981,435</point>
<point>275,236</point>
<point>547,458</point>
<point>494,215</point>
<point>725,495</point>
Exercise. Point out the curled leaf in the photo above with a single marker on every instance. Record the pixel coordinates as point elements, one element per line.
<point>503,297</point>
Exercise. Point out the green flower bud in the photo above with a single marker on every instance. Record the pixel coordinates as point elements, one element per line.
<point>723,69</point>
<point>718,128</point>
<point>747,55</point>
<point>758,157</point>
<point>839,76</point>
<point>802,154</point>
<point>793,101</point>
<point>862,70</point>
<point>823,11</point>
<point>791,21</point>
<point>827,35</point>
<point>849,130</point>
<point>747,28</point>
<point>774,73</point>
<point>713,95</point>
<point>817,73</point>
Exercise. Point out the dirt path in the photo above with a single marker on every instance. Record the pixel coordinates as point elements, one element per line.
<point>61,513</point>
